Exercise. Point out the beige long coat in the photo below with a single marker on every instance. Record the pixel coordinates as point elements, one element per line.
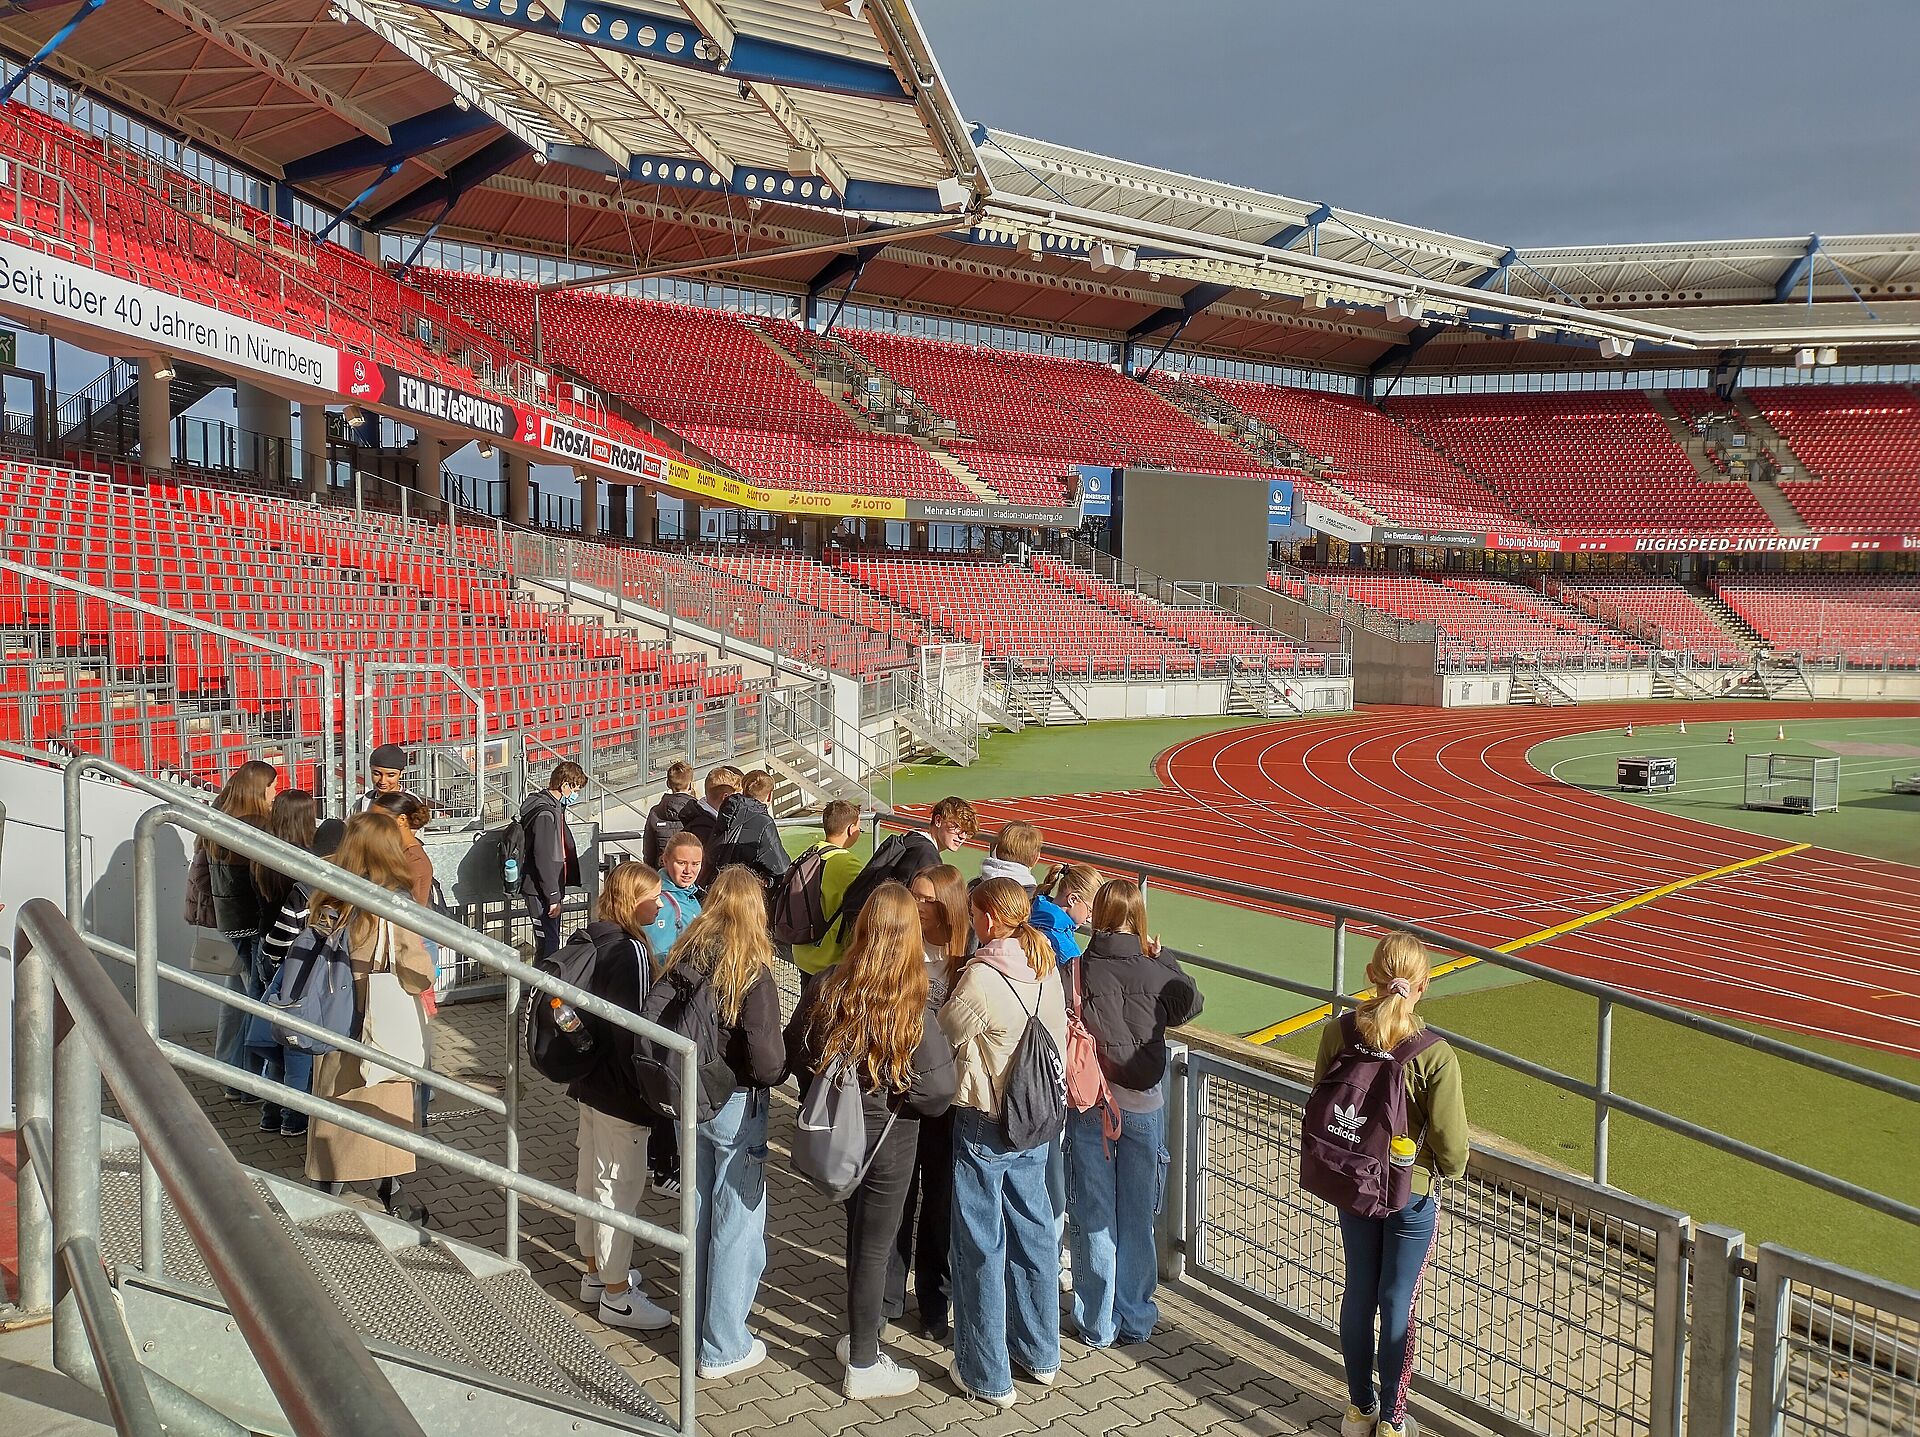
<point>335,1155</point>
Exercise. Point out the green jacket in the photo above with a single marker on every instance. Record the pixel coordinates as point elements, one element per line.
<point>1436,1106</point>
<point>835,879</point>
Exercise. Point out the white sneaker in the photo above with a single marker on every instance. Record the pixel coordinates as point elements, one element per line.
<point>633,1308</point>
<point>1406,1428</point>
<point>756,1354</point>
<point>1066,1270</point>
<point>1005,1399</point>
<point>663,1187</point>
<point>591,1286</point>
<point>1045,1379</point>
<point>844,1347</point>
<point>886,1378</point>
<point>1357,1423</point>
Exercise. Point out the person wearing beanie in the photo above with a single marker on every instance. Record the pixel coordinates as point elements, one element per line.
<point>387,769</point>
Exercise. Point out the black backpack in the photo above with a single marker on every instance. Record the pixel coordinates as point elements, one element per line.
<point>682,1001</point>
<point>889,861</point>
<point>513,852</point>
<point>1033,1106</point>
<point>797,903</point>
<point>555,1054</point>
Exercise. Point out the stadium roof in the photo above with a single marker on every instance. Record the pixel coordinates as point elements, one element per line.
<point>813,146</point>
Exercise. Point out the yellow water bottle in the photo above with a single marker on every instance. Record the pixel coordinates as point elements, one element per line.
<point>1400,1152</point>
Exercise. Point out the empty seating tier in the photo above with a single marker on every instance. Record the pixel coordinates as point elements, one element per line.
<point>1661,611</point>
<point>1583,462</point>
<point>1861,444</point>
<point>320,582</point>
<point>1860,618</point>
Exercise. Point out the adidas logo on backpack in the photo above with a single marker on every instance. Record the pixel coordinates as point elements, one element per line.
<point>1347,1123</point>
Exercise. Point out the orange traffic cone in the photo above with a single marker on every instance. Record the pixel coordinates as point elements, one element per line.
<point>1729,734</point>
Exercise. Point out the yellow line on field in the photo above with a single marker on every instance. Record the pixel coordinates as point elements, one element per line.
<point>1287,1026</point>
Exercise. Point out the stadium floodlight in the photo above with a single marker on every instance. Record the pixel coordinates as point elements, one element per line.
<point>164,369</point>
<point>485,451</point>
<point>1806,358</point>
<point>353,416</point>
<point>1828,355</point>
<point>1613,347</point>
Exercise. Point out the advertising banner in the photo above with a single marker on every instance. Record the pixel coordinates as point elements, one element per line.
<point>1341,526</point>
<point>1096,490</point>
<point>1718,543</point>
<point>1279,508</point>
<point>1011,516</point>
<point>43,285</point>
<point>429,399</point>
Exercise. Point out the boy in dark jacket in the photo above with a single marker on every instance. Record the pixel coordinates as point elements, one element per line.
<point>748,834</point>
<point>553,865</point>
<point>669,815</point>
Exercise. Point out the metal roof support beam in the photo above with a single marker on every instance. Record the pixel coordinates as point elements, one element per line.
<point>46,52</point>
<point>1200,297</point>
<point>760,257</point>
<point>404,141</point>
<point>1316,217</point>
<point>1496,275</point>
<point>1397,360</point>
<point>487,47</point>
<point>656,98</point>
<point>387,172</point>
<point>842,266</point>
<point>1801,268</point>
<point>477,168</point>
<point>802,134</point>
<point>220,32</point>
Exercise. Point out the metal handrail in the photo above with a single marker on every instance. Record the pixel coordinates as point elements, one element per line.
<point>322,1374</point>
<point>299,864</point>
<point>1599,1092</point>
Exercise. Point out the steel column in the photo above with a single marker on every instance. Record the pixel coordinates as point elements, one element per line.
<point>1603,1088</point>
<point>1713,1349</point>
<point>33,1005</point>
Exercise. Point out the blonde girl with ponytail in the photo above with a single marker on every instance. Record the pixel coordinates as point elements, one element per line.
<point>1006,1255</point>
<point>1385,1257</point>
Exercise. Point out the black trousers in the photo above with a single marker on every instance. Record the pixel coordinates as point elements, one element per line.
<point>873,1221</point>
<point>921,1246</point>
<point>546,929</point>
<point>663,1146</point>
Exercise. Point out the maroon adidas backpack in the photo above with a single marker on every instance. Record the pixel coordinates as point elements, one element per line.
<point>1350,1121</point>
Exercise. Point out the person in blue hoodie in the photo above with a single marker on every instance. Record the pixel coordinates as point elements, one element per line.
<point>1063,903</point>
<point>680,860</point>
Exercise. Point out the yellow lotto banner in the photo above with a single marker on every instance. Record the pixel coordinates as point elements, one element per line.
<point>725,489</point>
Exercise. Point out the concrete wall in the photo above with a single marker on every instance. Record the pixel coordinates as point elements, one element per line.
<point>1866,686</point>
<point>1387,671</point>
<point>32,865</point>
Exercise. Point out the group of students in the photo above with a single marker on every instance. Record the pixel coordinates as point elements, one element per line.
<point>250,914</point>
<point>923,989</point>
<point>934,994</point>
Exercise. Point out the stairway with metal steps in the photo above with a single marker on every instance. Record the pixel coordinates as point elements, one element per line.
<point>1736,628</point>
<point>1771,497</point>
<point>469,1339</point>
<point>110,406</point>
<point>1771,439</point>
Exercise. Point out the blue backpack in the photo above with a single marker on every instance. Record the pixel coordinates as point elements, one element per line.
<point>315,984</point>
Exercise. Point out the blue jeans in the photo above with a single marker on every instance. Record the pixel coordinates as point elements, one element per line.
<point>1112,1202</point>
<point>230,1024</point>
<point>1385,1258</point>
<point>730,1213</point>
<point>1006,1258</point>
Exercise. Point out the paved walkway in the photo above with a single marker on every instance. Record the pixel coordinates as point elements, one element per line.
<point>1197,1374</point>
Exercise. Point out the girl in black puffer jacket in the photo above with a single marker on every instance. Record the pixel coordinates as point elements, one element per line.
<point>1130,994</point>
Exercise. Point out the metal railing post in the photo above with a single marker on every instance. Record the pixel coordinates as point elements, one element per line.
<point>512,1098</point>
<point>33,1005</point>
<point>1170,1226</point>
<point>1669,1350</point>
<point>146,1003</point>
<point>1339,967</point>
<point>1713,1345</point>
<point>76,1184</point>
<point>1603,1088</point>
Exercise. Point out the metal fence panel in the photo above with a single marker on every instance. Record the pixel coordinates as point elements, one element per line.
<point>1544,1307</point>
<point>1835,1353</point>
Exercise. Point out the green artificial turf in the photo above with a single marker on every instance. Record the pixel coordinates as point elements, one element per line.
<point>1871,820</point>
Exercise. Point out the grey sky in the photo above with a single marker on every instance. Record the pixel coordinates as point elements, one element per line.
<point>1531,122</point>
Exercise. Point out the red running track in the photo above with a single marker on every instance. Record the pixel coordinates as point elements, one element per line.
<point>1437,815</point>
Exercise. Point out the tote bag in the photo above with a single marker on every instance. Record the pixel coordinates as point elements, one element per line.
<point>392,1020</point>
<point>213,954</point>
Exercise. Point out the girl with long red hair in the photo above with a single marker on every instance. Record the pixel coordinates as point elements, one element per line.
<point>870,1014</point>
